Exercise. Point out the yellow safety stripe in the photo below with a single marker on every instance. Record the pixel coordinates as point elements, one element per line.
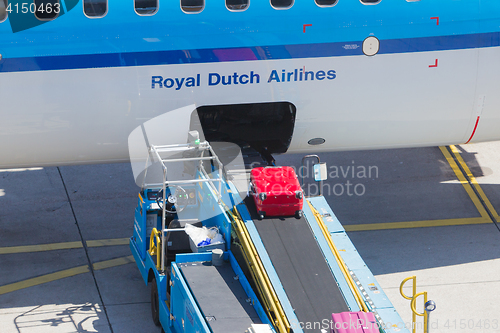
<point>464,180</point>
<point>43,279</point>
<point>113,262</point>
<point>64,274</point>
<point>108,242</point>
<point>272,304</point>
<point>40,247</point>
<point>416,224</point>
<point>62,246</point>
<point>465,183</point>
<point>343,267</point>
<point>474,182</point>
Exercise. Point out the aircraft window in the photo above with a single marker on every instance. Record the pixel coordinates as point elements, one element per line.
<point>326,3</point>
<point>237,4</point>
<point>370,1</point>
<point>46,10</point>
<point>3,10</point>
<point>146,7</point>
<point>282,4</point>
<point>95,8</point>
<point>192,6</point>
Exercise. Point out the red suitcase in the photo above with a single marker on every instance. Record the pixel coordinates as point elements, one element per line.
<point>276,191</point>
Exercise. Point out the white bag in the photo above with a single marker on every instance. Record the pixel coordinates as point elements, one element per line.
<point>217,239</point>
<point>198,235</point>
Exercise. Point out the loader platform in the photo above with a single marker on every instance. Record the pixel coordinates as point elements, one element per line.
<point>271,275</point>
<point>301,266</point>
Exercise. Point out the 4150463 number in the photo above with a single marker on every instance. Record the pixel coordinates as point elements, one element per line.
<point>33,8</point>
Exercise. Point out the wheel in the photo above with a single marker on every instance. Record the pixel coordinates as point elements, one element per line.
<point>176,201</point>
<point>298,214</point>
<point>261,214</point>
<point>155,303</point>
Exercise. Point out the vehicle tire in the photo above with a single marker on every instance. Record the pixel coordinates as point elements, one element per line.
<point>155,303</point>
<point>298,214</point>
<point>261,214</point>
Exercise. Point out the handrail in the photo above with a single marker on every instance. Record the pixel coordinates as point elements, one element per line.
<point>154,249</point>
<point>413,303</point>
<point>425,314</point>
<point>272,304</point>
<point>343,267</point>
<point>414,278</point>
<point>154,153</point>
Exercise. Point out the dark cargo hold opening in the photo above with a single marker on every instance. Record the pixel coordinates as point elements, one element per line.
<point>266,127</point>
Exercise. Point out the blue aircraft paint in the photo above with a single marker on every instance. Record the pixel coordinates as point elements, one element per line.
<point>438,43</point>
<point>123,38</point>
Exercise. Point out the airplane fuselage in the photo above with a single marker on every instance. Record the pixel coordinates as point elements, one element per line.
<point>360,76</point>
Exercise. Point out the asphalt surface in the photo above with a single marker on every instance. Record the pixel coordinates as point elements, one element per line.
<point>408,211</point>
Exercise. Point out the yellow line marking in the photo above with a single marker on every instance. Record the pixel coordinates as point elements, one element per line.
<point>43,279</point>
<point>484,219</point>
<point>416,224</point>
<point>107,242</point>
<point>113,262</point>
<point>63,246</point>
<point>40,247</point>
<point>64,274</point>
<point>465,183</point>
<point>474,182</point>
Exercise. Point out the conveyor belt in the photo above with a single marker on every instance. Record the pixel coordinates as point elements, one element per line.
<point>301,267</point>
<point>220,297</point>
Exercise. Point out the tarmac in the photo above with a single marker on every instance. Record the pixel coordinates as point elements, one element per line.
<point>65,264</point>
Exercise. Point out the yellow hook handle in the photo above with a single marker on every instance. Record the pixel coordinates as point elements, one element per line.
<point>414,302</point>
<point>423,314</point>
<point>154,249</point>
<point>414,278</point>
<point>414,291</point>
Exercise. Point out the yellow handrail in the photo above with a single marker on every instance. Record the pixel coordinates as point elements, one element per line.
<point>414,309</point>
<point>414,316</point>
<point>343,267</point>
<point>155,249</point>
<point>413,302</point>
<point>272,304</point>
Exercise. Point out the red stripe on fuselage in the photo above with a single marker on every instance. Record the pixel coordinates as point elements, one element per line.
<point>474,131</point>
